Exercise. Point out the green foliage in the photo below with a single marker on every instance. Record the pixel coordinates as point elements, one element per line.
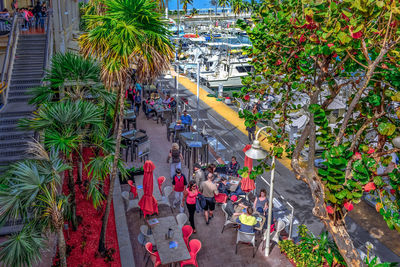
<point>311,250</point>
<point>23,248</point>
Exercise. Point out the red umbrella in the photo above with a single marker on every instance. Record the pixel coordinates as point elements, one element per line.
<point>247,183</point>
<point>248,162</point>
<point>148,203</point>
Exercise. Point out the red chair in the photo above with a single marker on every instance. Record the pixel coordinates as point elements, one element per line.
<point>194,246</point>
<point>187,231</point>
<point>160,181</point>
<point>155,258</point>
<point>221,198</point>
<point>133,189</point>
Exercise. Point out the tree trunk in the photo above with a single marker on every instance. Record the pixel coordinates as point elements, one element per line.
<point>71,187</point>
<point>103,232</point>
<point>62,247</point>
<point>119,97</point>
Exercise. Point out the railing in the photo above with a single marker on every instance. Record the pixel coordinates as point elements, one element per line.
<point>49,41</point>
<point>9,59</point>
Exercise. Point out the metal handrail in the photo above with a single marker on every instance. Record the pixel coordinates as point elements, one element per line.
<point>8,48</point>
<point>9,59</point>
<point>48,30</point>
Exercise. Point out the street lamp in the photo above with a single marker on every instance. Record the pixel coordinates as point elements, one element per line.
<point>396,142</point>
<point>257,152</point>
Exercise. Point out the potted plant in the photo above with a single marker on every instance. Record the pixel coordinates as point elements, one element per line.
<point>132,172</point>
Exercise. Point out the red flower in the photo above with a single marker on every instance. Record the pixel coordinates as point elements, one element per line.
<point>302,39</point>
<point>370,150</point>
<point>296,56</point>
<point>392,191</point>
<point>329,209</point>
<point>348,206</point>
<point>290,69</point>
<point>357,155</point>
<point>330,45</point>
<point>356,35</point>
<point>309,19</point>
<point>278,62</point>
<point>247,97</point>
<point>334,55</point>
<point>370,186</point>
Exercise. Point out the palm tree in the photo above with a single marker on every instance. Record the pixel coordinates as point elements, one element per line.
<point>65,125</point>
<point>129,32</point>
<point>238,6</point>
<point>30,190</point>
<point>194,12</point>
<point>223,4</point>
<point>185,5</point>
<point>73,77</point>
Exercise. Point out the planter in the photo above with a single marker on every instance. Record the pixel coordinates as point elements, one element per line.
<point>131,176</point>
<point>291,261</point>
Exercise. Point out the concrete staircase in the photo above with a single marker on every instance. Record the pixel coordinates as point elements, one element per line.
<point>28,70</point>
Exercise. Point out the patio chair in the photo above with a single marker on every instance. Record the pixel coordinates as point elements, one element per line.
<point>165,198</point>
<point>187,231</point>
<point>181,218</point>
<point>144,237</point>
<point>280,226</point>
<point>227,220</point>
<point>155,258</point>
<point>194,248</point>
<point>130,204</point>
<point>221,198</point>
<point>160,181</point>
<point>133,189</point>
<point>246,238</point>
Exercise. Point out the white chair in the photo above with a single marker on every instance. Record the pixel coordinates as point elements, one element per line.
<point>227,220</point>
<point>129,204</point>
<point>280,226</point>
<point>164,200</point>
<point>246,238</point>
<point>181,218</point>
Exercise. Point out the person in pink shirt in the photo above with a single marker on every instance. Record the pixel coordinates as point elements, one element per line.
<point>190,195</point>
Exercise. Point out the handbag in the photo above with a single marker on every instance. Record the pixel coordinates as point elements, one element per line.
<point>202,201</point>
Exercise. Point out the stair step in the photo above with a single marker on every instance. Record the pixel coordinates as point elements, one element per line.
<point>6,161</point>
<point>30,57</point>
<point>14,115</point>
<point>20,88</point>
<point>30,81</point>
<point>19,93</point>
<point>19,99</point>
<point>11,144</point>
<point>17,135</point>
<point>25,61</point>
<point>11,152</point>
<point>18,75</point>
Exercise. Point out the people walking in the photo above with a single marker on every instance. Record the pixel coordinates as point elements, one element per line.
<point>190,196</point>
<point>176,159</point>
<point>209,190</point>
<point>37,12</point>
<point>179,183</point>
<point>251,131</point>
<point>138,102</point>
<point>198,174</point>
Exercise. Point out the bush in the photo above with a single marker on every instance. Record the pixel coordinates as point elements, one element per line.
<point>311,250</point>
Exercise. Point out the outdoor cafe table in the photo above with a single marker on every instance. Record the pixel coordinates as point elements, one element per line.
<point>176,131</point>
<point>130,137</point>
<point>130,116</point>
<point>239,209</point>
<point>194,149</point>
<point>169,255</point>
<point>161,110</point>
<point>233,181</point>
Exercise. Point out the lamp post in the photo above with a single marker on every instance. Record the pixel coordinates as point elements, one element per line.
<point>257,152</point>
<point>197,99</point>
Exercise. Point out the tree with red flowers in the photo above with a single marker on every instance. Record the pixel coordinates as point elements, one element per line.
<point>321,51</point>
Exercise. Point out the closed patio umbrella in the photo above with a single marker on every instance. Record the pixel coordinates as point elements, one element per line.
<point>247,183</point>
<point>148,203</point>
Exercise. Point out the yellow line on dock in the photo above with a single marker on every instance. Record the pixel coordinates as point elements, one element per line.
<point>226,112</point>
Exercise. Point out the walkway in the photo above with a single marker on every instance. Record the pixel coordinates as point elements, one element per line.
<point>217,249</point>
<point>223,122</point>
